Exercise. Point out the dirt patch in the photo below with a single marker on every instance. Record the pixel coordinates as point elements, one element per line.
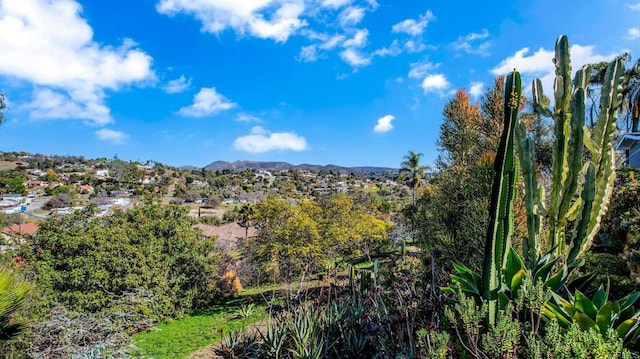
<point>8,165</point>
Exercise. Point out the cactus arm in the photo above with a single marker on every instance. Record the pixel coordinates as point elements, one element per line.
<point>588,141</point>
<point>576,141</point>
<point>574,158</point>
<point>579,240</point>
<point>502,196</point>
<point>561,117</point>
<point>538,95</point>
<point>526,154</point>
<point>604,160</point>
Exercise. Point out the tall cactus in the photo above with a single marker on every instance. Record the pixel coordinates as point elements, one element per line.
<point>498,241</point>
<point>580,189</point>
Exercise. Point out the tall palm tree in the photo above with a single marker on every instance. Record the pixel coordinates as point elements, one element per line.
<point>246,218</point>
<point>3,106</point>
<point>414,171</point>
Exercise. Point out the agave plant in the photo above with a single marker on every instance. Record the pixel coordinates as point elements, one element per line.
<point>273,339</point>
<point>515,272</point>
<point>598,313</point>
<point>246,310</point>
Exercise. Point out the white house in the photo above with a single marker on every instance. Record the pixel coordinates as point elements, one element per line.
<point>630,144</point>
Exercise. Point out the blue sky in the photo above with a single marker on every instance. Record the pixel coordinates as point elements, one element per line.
<point>346,82</point>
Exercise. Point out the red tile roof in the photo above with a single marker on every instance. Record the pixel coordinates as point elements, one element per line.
<point>25,229</point>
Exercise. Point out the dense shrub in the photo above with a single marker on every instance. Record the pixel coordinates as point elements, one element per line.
<point>59,201</point>
<point>91,264</point>
<point>615,254</point>
<point>612,270</point>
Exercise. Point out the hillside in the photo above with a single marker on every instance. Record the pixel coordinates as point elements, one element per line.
<point>283,166</point>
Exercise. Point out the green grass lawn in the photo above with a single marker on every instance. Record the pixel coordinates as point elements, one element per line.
<point>178,338</point>
<point>181,337</point>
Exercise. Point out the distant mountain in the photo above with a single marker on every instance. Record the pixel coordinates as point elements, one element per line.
<point>284,166</point>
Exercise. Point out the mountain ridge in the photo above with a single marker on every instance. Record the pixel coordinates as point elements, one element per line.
<point>284,166</point>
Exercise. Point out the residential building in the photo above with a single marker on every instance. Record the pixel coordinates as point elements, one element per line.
<point>630,144</point>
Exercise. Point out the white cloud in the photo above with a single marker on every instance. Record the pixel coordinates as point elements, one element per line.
<point>476,89</point>
<point>634,6</point>
<point>384,124</point>
<point>112,136</point>
<point>413,27</point>
<point>332,42</point>
<point>308,54</point>
<point>359,39</point>
<point>540,63</point>
<point>420,69</point>
<point>373,4</point>
<point>412,46</point>
<point>49,104</point>
<point>435,82</point>
<point>393,50</point>
<point>207,102</point>
<point>178,85</point>
<point>49,45</point>
<point>354,58</point>
<point>466,43</point>
<point>335,4</point>
<point>246,117</point>
<point>312,53</point>
<point>279,20</point>
<point>260,18</point>
<point>261,140</point>
<point>351,16</point>
<point>633,33</point>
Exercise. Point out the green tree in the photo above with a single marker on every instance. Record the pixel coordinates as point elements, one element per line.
<point>349,228</point>
<point>95,264</point>
<point>288,242</point>
<point>16,185</point>
<point>124,172</point>
<point>297,239</point>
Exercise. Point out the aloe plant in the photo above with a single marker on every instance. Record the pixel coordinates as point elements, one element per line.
<point>581,189</point>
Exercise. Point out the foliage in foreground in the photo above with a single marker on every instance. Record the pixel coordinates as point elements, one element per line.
<point>579,197</point>
<point>12,295</point>
<point>518,332</point>
<point>359,321</point>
